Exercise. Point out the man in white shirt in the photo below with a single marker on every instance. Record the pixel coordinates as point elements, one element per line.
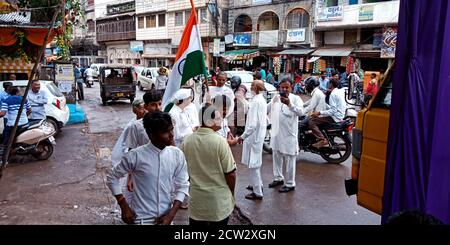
<point>285,109</point>
<point>335,113</point>
<point>37,99</point>
<point>317,101</point>
<point>159,172</point>
<point>253,139</point>
<point>89,73</point>
<point>184,114</point>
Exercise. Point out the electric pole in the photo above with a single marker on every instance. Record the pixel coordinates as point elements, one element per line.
<point>216,23</point>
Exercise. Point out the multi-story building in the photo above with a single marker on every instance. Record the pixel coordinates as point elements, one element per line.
<point>160,24</point>
<point>364,30</point>
<point>116,31</point>
<point>84,45</point>
<point>270,33</point>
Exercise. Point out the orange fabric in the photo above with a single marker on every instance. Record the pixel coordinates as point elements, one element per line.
<point>36,36</point>
<point>7,38</point>
<point>186,37</point>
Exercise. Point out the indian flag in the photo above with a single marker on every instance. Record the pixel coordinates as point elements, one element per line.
<point>189,60</point>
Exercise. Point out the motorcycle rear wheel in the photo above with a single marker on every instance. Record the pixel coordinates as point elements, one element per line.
<point>344,144</point>
<point>44,150</point>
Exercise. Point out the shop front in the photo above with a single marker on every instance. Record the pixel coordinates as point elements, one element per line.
<point>246,59</point>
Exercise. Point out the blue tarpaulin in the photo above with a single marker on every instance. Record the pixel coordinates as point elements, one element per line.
<point>76,114</point>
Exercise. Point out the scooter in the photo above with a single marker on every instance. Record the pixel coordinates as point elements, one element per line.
<point>36,140</point>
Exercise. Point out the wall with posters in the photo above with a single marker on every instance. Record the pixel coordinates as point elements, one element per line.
<point>65,79</point>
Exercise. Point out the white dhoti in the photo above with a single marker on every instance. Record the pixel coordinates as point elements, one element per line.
<point>256,181</point>
<point>279,159</point>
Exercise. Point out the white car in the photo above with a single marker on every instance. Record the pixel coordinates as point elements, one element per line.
<point>247,80</point>
<point>96,68</point>
<point>56,110</point>
<point>147,78</point>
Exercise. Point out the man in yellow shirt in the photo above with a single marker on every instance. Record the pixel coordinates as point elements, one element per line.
<point>211,169</point>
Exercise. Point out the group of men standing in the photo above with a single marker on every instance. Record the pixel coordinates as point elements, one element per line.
<point>10,99</point>
<point>161,158</point>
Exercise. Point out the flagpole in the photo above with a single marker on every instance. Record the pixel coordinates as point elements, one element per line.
<point>200,40</point>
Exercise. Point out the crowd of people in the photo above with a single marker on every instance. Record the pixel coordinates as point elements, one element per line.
<point>162,158</point>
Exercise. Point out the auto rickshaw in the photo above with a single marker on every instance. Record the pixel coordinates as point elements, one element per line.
<point>116,82</point>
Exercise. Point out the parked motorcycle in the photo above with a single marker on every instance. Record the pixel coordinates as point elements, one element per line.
<point>337,134</point>
<point>36,140</point>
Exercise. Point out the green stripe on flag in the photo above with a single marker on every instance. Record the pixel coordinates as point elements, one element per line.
<point>193,66</point>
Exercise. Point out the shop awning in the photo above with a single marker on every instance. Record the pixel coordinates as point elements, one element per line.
<point>295,52</point>
<point>240,54</point>
<point>335,51</point>
<point>367,53</point>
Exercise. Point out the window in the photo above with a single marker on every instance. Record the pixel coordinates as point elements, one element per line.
<point>243,23</point>
<point>367,35</point>
<point>161,20</point>
<point>179,19</point>
<point>161,63</point>
<point>91,26</point>
<point>298,18</point>
<point>187,15</point>
<point>331,3</point>
<point>141,22</point>
<point>54,90</point>
<point>128,61</point>
<point>151,21</point>
<point>203,16</point>
<point>120,61</point>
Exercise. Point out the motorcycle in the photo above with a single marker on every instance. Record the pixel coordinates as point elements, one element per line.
<point>36,140</point>
<point>338,135</point>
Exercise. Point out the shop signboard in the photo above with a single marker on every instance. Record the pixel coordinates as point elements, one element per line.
<point>366,13</point>
<point>296,35</point>
<point>136,46</point>
<point>257,2</point>
<point>331,13</point>
<point>389,42</point>
<point>268,38</point>
<point>222,47</point>
<point>242,39</point>
<point>216,47</point>
<point>229,39</point>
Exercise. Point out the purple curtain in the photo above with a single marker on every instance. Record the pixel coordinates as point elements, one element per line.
<point>418,160</point>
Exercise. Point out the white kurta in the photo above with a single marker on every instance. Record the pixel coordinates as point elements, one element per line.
<point>284,121</point>
<point>255,132</point>
<point>185,120</point>
<point>215,91</point>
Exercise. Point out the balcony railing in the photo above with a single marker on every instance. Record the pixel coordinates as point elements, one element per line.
<point>116,36</point>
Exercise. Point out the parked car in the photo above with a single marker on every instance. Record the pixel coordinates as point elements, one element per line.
<point>247,80</point>
<point>96,68</point>
<point>146,79</point>
<point>56,110</point>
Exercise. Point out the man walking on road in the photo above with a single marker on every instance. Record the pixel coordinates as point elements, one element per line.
<point>37,99</point>
<point>253,138</point>
<point>159,172</point>
<point>285,110</point>
<point>211,170</point>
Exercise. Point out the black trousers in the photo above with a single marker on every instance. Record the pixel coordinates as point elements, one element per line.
<point>80,91</point>
<point>221,223</point>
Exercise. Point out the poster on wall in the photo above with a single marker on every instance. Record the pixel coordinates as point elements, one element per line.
<point>389,42</point>
<point>366,13</point>
<point>65,79</point>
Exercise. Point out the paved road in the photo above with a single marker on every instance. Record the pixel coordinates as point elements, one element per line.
<point>69,188</point>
